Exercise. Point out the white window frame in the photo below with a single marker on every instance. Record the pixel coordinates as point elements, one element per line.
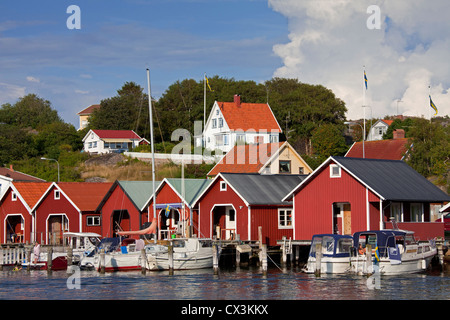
<point>13,196</point>
<point>223,186</point>
<point>398,207</point>
<point>56,194</point>
<point>420,216</point>
<point>335,175</point>
<point>283,212</point>
<point>214,123</point>
<point>93,221</point>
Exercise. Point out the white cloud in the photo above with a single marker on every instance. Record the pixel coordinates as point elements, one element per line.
<point>33,79</point>
<point>329,43</point>
<point>9,93</point>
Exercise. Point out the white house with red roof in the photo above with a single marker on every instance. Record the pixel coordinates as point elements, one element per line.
<point>107,141</point>
<point>231,123</point>
<point>377,131</point>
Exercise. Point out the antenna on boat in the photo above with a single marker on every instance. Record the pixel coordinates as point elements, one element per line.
<point>152,146</point>
<point>394,224</point>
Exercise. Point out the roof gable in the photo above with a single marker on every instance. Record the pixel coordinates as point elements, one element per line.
<point>30,192</point>
<point>89,110</point>
<point>139,191</point>
<point>116,134</point>
<point>249,116</point>
<point>18,176</point>
<point>246,158</point>
<point>86,196</point>
<point>394,149</point>
<point>389,179</point>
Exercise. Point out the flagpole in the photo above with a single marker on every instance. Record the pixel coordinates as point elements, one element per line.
<point>429,97</point>
<point>152,148</point>
<point>364,109</point>
<point>204,109</point>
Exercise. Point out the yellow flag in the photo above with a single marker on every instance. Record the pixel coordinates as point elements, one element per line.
<point>207,82</point>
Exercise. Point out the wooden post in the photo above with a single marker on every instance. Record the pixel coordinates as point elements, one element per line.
<point>102,261</point>
<point>297,254</point>
<point>218,232</point>
<point>49,259</point>
<point>215,259</point>
<point>318,259</point>
<point>29,258</point>
<point>170,248</point>
<point>369,259</point>
<point>260,240</point>
<point>1,260</point>
<point>283,252</point>
<point>263,254</point>
<point>143,262</point>
<point>238,258</point>
<point>440,251</point>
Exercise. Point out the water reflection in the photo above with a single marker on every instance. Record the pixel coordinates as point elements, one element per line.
<point>242,284</point>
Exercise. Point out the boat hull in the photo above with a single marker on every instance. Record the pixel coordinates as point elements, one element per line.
<point>330,265</point>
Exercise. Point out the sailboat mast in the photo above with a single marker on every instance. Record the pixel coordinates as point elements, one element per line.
<point>152,145</point>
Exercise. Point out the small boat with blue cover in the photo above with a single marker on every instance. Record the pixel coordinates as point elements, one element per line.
<point>334,256</point>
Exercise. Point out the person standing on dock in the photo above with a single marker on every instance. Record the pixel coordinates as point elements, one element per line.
<point>36,251</point>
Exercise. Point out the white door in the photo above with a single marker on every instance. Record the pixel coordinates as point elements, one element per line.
<point>230,223</point>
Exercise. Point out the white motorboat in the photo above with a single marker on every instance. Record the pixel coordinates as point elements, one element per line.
<point>393,252</point>
<point>334,254</point>
<point>188,253</point>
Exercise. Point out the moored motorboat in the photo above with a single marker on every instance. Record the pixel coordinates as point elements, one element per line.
<point>393,252</point>
<point>188,253</point>
<point>334,254</point>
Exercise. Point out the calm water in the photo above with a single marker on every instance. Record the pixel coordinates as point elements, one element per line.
<point>243,283</point>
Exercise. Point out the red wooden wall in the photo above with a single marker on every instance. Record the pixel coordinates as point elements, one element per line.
<point>313,204</point>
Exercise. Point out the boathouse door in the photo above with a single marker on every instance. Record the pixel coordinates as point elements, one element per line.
<point>230,223</point>
<point>347,219</point>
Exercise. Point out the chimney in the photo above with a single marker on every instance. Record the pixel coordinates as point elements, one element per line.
<point>11,167</point>
<point>237,100</point>
<point>398,134</point>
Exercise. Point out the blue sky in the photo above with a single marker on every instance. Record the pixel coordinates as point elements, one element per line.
<point>317,41</point>
<point>118,40</point>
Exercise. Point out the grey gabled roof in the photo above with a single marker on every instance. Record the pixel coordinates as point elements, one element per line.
<point>392,179</point>
<point>257,189</point>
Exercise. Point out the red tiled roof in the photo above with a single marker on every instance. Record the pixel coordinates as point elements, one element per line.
<point>247,116</point>
<point>18,176</point>
<point>380,149</point>
<point>31,192</point>
<point>388,122</point>
<point>245,158</point>
<point>116,134</point>
<point>88,110</point>
<point>85,195</point>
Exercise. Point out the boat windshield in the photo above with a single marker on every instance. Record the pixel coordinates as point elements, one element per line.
<point>344,245</point>
<point>179,243</point>
<point>328,245</point>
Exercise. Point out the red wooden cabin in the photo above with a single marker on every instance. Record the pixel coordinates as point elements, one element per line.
<point>16,215</point>
<point>240,203</point>
<point>347,195</point>
<point>68,206</point>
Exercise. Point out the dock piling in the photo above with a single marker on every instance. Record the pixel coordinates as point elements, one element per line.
<point>318,259</point>
<point>170,248</point>
<point>49,259</point>
<point>215,259</point>
<point>263,258</point>
<point>143,262</point>
<point>102,261</point>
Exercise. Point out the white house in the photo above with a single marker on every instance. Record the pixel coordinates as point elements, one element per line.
<point>107,141</point>
<point>231,123</point>
<point>378,129</point>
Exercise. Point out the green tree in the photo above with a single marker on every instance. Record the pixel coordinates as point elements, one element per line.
<point>29,111</point>
<point>15,144</point>
<point>327,140</point>
<point>128,110</point>
<point>302,108</point>
<point>431,149</point>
